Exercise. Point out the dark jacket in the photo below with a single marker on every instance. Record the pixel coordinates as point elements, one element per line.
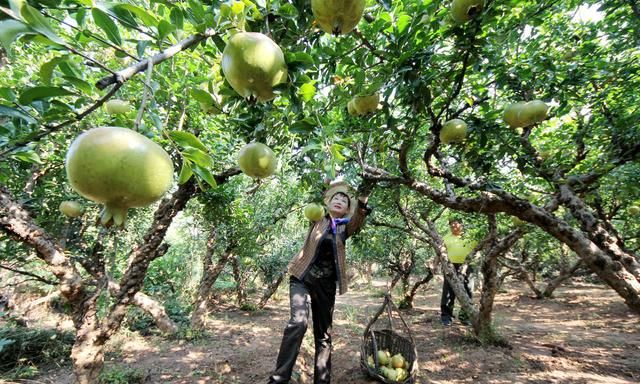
<point>303,260</point>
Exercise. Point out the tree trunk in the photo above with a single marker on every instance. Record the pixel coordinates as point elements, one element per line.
<point>209,276</point>
<point>241,283</point>
<point>562,277</point>
<point>407,301</point>
<point>152,307</point>
<point>271,289</point>
<point>483,325</point>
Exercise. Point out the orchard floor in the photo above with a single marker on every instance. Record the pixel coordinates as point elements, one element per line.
<point>585,334</point>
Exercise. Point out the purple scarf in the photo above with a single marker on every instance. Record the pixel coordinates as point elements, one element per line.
<point>336,222</point>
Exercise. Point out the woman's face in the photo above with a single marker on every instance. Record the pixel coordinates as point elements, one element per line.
<point>339,205</point>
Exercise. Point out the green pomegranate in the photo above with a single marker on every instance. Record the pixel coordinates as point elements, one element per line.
<point>257,160</point>
<point>513,115</point>
<point>253,64</point>
<point>337,16</point>
<point>313,212</point>
<point>119,168</point>
<point>534,112</point>
<point>366,104</point>
<point>465,10</point>
<point>453,131</point>
<point>117,106</point>
<point>351,109</point>
<point>71,208</point>
<point>633,210</point>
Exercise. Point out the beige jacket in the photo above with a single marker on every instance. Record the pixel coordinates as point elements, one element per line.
<point>302,261</point>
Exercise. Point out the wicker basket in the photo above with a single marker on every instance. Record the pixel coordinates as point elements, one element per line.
<point>381,334</point>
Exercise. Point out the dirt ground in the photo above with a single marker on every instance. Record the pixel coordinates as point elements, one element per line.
<point>585,334</point>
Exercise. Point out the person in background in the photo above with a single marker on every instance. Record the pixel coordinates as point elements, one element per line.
<point>458,249</point>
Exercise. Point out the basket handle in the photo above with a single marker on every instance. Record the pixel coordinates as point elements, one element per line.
<point>375,317</point>
<point>374,345</point>
<point>391,303</point>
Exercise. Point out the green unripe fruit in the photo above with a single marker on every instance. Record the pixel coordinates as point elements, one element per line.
<point>71,208</point>
<point>253,64</point>
<point>313,212</point>
<point>119,168</point>
<point>383,359</point>
<point>513,115</point>
<point>337,16</point>
<point>465,10</point>
<point>633,210</point>
<point>366,104</point>
<point>117,106</point>
<point>351,109</point>
<point>453,131</point>
<point>534,112</point>
<point>257,160</point>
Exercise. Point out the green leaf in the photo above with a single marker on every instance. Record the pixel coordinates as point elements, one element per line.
<point>82,85</point>
<point>307,91</point>
<point>35,20</point>
<point>46,69</point>
<point>202,96</point>
<point>187,139</point>
<point>335,151</point>
<point>185,172</point>
<point>12,112</point>
<point>105,23</point>
<point>205,175</point>
<point>10,30</point>
<point>39,93</point>
<point>177,18</point>
<point>303,57</point>
<point>288,11</point>
<point>27,156</point>
<point>201,158</point>
<point>146,18</point>
<point>305,125</point>
<point>164,29</point>
<point>141,46</point>
<point>196,11</point>
<point>7,94</point>
<point>403,22</point>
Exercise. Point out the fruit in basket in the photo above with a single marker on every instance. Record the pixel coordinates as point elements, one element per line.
<point>370,361</point>
<point>401,374</point>
<point>389,373</point>
<point>397,361</point>
<point>383,357</point>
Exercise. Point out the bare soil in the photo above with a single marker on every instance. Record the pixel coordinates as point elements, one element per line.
<point>586,334</point>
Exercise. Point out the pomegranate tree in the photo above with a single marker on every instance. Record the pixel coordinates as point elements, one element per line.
<point>119,168</point>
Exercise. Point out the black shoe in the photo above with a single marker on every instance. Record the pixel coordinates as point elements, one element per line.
<point>466,322</point>
<point>446,322</point>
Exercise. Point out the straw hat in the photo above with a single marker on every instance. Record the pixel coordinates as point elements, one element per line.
<point>342,187</point>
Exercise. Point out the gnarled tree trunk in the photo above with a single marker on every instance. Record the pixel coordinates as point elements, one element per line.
<point>210,274</point>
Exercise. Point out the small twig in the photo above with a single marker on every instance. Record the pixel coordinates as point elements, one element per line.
<point>369,45</point>
<point>21,272</point>
<point>103,41</point>
<point>145,95</point>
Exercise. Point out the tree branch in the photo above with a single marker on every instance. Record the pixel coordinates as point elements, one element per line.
<point>127,73</point>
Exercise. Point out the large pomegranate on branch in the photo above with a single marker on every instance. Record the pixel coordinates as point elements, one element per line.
<point>119,168</point>
<point>253,64</point>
